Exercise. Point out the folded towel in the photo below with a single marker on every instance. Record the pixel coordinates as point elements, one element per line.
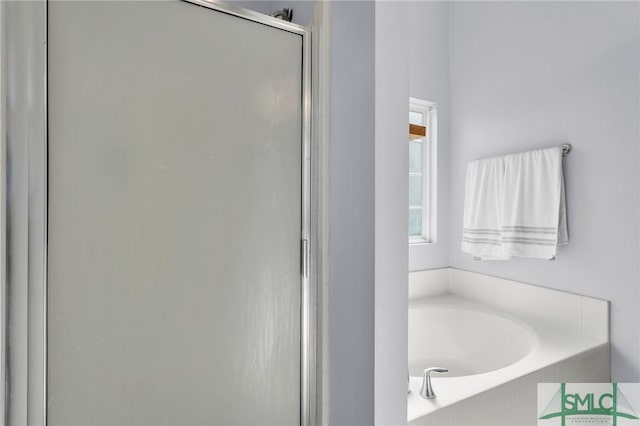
<point>515,206</point>
<point>534,220</point>
<point>481,234</point>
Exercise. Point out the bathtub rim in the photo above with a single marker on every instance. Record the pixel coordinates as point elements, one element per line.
<point>556,341</point>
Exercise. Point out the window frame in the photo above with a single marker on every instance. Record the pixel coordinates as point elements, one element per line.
<point>429,170</point>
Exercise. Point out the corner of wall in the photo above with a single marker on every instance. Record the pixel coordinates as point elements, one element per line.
<point>391,220</point>
<point>351,208</point>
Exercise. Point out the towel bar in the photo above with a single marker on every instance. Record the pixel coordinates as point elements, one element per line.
<point>566,147</point>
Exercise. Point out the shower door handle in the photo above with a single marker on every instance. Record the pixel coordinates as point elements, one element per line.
<point>305,257</point>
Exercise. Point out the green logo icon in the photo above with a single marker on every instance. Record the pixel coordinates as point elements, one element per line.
<point>613,404</point>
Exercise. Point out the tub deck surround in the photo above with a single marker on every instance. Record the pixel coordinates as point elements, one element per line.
<point>572,312</point>
<point>567,339</point>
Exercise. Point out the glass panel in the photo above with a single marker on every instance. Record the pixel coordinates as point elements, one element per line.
<point>174,279</point>
<point>415,157</point>
<point>415,191</point>
<point>415,222</point>
<point>416,118</point>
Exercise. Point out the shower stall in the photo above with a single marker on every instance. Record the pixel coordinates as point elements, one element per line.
<point>159,226</point>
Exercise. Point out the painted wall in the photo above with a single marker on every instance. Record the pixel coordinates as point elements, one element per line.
<point>391,222</point>
<point>526,75</point>
<point>428,41</point>
<point>351,215</point>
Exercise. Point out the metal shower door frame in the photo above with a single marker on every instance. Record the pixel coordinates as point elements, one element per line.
<point>26,191</point>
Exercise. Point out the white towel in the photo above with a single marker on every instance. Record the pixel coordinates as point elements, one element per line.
<point>534,220</point>
<point>481,234</point>
<point>515,206</point>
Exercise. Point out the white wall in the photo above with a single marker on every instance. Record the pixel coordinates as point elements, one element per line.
<point>351,215</point>
<point>428,40</point>
<point>526,75</point>
<point>391,222</point>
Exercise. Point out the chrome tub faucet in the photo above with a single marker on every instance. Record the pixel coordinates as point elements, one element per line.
<point>426,391</point>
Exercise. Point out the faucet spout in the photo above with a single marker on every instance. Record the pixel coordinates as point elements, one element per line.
<point>427,390</point>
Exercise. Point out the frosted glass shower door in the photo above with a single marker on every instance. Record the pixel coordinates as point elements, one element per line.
<point>174,216</point>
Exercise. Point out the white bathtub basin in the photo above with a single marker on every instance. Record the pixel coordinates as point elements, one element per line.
<point>465,341</point>
<point>484,348</point>
<point>499,338</point>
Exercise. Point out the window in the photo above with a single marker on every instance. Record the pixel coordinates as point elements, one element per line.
<point>422,173</point>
